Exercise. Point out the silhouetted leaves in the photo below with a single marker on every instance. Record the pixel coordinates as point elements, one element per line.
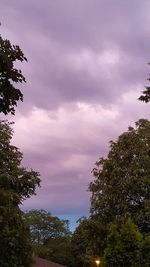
<point>10,76</point>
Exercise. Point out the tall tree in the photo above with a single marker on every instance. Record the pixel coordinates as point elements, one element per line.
<point>122,180</point>
<point>16,184</point>
<point>10,76</point>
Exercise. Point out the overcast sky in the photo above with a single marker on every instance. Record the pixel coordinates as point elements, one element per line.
<point>87,64</point>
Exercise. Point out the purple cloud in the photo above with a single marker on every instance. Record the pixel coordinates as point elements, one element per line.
<point>86,68</point>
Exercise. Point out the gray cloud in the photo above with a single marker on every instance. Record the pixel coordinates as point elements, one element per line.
<point>51,31</point>
<point>86,68</point>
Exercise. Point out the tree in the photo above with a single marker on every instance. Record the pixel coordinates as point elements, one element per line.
<point>146,94</point>
<point>16,184</point>
<point>44,226</point>
<point>15,244</point>
<point>88,241</point>
<point>58,250</point>
<point>146,251</point>
<point>9,76</point>
<point>145,97</point>
<point>50,235</point>
<point>122,180</point>
<point>13,176</point>
<point>124,246</point>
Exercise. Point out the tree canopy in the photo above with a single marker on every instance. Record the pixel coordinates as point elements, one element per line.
<point>10,76</point>
<point>44,226</point>
<point>50,235</point>
<point>124,246</point>
<point>15,244</point>
<point>13,176</point>
<point>88,241</point>
<point>145,97</point>
<point>120,198</point>
<point>122,180</point>
<point>16,184</point>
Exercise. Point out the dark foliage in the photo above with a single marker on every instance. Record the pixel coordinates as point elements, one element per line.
<point>10,76</point>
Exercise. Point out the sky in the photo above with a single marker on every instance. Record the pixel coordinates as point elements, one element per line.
<point>87,65</point>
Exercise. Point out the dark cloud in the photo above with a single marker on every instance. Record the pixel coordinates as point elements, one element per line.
<point>86,68</point>
<point>51,31</point>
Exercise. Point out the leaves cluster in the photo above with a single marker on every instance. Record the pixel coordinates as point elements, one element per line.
<point>43,226</point>
<point>50,235</point>
<point>13,177</point>
<point>88,241</point>
<point>126,246</point>
<point>10,76</point>
<point>122,181</point>
<point>15,245</point>
<point>145,97</point>
<point>16,184</point>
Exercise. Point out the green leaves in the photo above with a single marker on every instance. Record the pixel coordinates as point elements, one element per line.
<point>88,241</point>
<point>15,245</point>
<point>44,226</point>
<point>9,76</point>
<point>16,184</point>
<point>122,181</point>
<point>50,235</point>
<point>126,246</point>
<point>13,177</point>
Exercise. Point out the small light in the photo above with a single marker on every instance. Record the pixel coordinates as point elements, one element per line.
<point>97,262</point>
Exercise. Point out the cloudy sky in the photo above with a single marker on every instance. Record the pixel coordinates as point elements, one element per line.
<point>87,64</point>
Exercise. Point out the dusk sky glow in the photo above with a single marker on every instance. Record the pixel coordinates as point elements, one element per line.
<point>87,65</point>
